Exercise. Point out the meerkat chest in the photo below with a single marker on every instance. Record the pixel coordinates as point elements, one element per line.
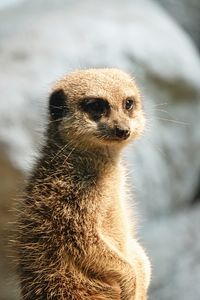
<point>115,221</point>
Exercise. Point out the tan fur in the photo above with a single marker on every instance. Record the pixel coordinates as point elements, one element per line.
<point>75,239</point>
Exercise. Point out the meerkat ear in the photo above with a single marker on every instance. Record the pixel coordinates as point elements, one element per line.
<point>58,105</point>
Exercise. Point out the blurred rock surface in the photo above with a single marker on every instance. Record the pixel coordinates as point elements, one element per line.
<point>42,40</point>
<point>187,13</point>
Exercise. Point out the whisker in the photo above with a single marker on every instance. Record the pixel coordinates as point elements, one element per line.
<point>160,104</point>
<point>69,155</point>
<point>174,121</point>
<point>160,110</point>
<point>59,152</point>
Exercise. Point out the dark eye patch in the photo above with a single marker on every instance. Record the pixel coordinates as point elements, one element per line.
<point>95,107</point>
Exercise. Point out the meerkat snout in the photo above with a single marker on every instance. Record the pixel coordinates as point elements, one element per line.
<point>122,133</point>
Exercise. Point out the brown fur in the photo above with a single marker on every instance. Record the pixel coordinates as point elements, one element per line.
<point>75,240</point>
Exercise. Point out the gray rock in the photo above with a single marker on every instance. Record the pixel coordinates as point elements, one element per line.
<point>187,13</point>
<point>174,248</point>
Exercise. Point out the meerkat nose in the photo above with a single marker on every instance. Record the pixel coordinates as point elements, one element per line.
<point>122,133</point>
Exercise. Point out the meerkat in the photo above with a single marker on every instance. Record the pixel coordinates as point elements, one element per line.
<point>75,239</point>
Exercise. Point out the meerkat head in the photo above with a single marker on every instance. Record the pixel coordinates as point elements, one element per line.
<point>96,107</point>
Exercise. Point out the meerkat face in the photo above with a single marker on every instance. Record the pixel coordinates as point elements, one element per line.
<point>97,107</point>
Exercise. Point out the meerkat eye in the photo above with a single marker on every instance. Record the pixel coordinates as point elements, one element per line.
<point>95,108</point>
<point>129,104</point>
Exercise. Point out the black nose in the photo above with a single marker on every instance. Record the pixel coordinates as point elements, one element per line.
<point>122,133</point>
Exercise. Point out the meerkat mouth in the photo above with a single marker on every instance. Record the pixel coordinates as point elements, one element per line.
<point>117,134</point>
<point>114,139</point>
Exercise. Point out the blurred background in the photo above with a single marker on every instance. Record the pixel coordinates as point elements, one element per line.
<point>158,42</point>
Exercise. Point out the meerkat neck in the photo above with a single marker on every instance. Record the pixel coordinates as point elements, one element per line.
<point>82,161</point>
